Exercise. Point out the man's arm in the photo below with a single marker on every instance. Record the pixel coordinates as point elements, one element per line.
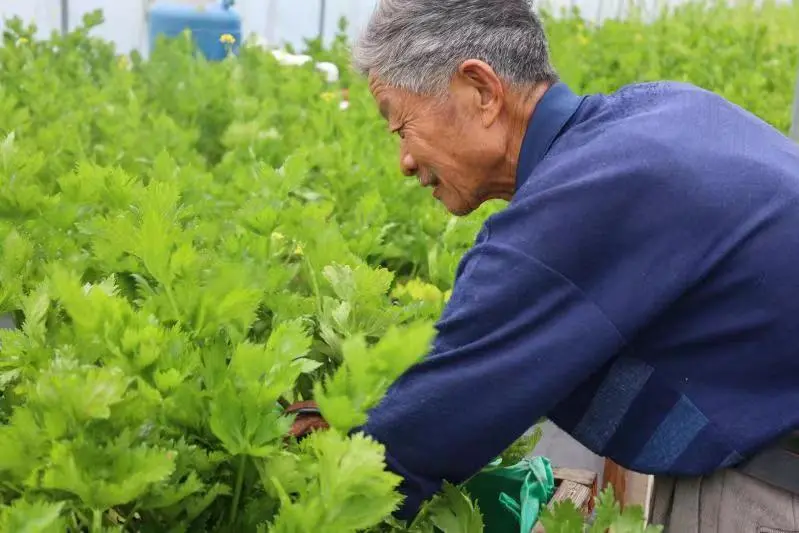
<point>514,340</point>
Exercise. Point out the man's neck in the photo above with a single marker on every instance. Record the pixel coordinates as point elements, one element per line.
<point>521,106</point>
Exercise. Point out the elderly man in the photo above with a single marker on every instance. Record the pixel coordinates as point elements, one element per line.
<point>641,289</point>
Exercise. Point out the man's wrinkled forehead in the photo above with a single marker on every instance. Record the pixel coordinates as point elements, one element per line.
<point>378,92</point>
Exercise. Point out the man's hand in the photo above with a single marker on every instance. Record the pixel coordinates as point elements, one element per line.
<point>308,419</point>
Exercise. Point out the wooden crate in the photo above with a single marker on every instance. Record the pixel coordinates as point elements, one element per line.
<point>579,486</point>
<point>629,488</point>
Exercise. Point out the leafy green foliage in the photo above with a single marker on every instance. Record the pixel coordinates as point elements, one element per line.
<point>452,510</point>
<point>744,50</point>
<point>341,486</point>
<point>187,247</point>
<point>608,517</point>
<point>523,447</point>
<point>173,295</point>
<point>367,372</point>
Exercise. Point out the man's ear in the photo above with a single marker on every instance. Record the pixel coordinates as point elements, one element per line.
<point>487,86</point>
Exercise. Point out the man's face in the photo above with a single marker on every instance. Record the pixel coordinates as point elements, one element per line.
<point>445,142</point>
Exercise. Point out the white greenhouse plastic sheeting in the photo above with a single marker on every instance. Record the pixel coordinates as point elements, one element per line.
<point>278,21</point>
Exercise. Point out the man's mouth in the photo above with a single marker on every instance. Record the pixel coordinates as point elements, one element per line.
<point>428,180</point>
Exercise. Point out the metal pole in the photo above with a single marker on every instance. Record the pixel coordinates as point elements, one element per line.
<point>271,23</point>
<point>795,119</point>
<point>64,17</point>
<point>322,10</point>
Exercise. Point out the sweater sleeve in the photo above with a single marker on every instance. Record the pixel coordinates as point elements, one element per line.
<point>515,339</point>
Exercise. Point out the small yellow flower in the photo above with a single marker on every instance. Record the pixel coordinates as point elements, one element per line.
<point>227,38</point>
<point>298,250</point>
<point>22,40</point>
<point>328,96</point>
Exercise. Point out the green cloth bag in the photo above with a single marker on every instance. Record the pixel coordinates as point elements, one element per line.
<point>511,497</point>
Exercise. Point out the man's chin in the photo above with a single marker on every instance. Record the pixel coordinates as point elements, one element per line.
<point>458,208</point>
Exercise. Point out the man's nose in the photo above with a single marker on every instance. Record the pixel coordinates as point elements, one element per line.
<point>408,164</point>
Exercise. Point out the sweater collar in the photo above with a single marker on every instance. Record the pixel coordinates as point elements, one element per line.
<point>553,111</point>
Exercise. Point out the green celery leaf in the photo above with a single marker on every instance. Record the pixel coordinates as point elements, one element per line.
<point>32,517</point>
<point>106,475</point>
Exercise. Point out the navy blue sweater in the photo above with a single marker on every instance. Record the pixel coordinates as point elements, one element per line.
<point>641,290</point>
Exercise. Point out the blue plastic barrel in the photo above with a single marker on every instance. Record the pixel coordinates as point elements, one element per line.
<point>208,24</point>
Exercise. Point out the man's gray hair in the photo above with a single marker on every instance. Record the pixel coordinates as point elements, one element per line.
<point>418,45</point>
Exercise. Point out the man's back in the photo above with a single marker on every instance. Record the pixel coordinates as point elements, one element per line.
<point>682,213</point>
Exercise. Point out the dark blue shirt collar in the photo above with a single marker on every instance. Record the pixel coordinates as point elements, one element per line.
<point>550,116</point>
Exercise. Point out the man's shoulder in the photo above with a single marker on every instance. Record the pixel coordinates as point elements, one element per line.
<point>633,98</point>
<point>644,132</point>
<point>650,166</point>
<point>663,107</point>
<point>661,87</point>
<point>668,130</point>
